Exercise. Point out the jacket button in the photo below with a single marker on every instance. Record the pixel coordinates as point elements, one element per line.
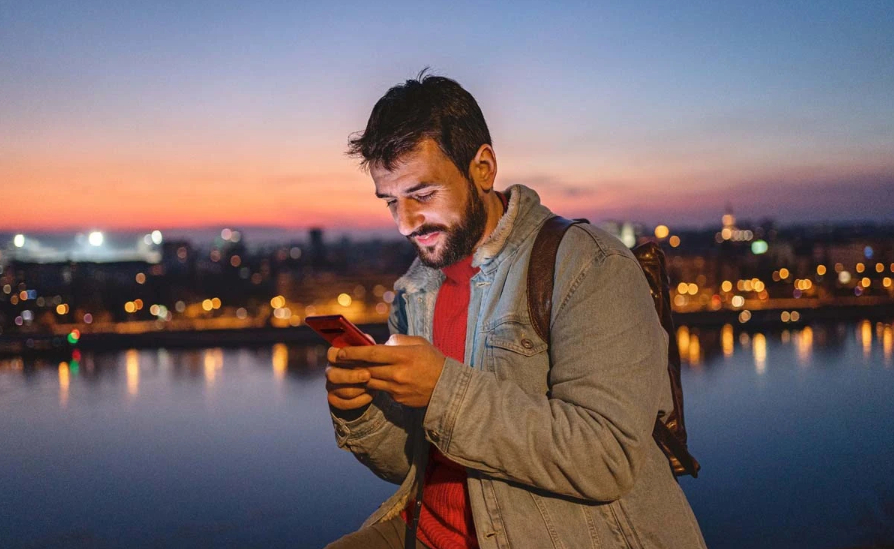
<point>342,430</point>
<point>433,436</point>
<point>527,343</point>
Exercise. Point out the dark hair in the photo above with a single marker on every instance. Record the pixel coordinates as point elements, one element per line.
<point>425,107</point>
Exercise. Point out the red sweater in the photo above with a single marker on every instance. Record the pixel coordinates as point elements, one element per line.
<point>445,521</point>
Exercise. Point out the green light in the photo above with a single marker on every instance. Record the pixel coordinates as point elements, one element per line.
<point>72,339</point>
<point>74,366</point>
<point>759,247</point>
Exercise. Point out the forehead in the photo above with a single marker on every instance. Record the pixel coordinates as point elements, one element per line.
<point>425,163</point>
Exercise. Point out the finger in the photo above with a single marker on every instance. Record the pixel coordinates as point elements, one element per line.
<point>346,391</point>
<point>370,338</point>
<point>370,354</point>
<point>346,376</point>
<point>383,385</point>
<point>401,339</point>
<point>394,374</point>
<point>332,354</point>
<point>350,403</point>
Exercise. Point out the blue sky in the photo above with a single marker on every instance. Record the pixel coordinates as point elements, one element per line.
<point>657,113</point>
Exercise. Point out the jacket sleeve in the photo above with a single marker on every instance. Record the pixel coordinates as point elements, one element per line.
<point>587,437</point>
<point>378,436</point>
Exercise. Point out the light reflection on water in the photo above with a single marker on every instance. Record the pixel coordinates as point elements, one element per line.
<point>222,447</point>
<point>700,345</point>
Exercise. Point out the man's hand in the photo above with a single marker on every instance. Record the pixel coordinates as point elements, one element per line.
<point>346,386</point>
<point>406,367</point>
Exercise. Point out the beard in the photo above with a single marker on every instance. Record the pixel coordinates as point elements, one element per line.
<point>459,239</point>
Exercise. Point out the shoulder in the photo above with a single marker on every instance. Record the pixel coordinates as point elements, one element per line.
<point>586,244</point>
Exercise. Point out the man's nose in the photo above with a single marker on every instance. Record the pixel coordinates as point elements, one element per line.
<point>408,218</point>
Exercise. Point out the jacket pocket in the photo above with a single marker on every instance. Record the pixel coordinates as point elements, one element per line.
<point>516,353</point>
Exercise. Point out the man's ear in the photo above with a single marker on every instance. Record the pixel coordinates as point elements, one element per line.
<point>483,168</point>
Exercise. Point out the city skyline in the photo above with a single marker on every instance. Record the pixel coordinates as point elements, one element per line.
<point>173,117</point>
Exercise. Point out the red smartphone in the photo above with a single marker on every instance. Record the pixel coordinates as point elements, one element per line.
<point>338,330</point>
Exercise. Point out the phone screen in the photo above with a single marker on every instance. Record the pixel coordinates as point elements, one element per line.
<point>338,330</point>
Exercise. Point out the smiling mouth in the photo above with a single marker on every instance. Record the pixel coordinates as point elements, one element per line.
<point>428,239</point>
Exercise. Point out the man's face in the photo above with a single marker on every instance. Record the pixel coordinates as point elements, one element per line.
<point>434,205</point>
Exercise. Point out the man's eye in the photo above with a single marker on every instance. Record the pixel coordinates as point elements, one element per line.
<point>424,197</point>
<point>390,203</point>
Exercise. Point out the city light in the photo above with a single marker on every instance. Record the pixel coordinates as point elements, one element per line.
<point>344,300</point>
<point>674,241</point>
<point>140,278</point>
<point>95,238</point>
<point>844,277</point>
<point>19,240</point>
<point>759,247</point>
<point>727,286</point>
<point>783,273</point>
<point>661,231</point>
<point>821,270</point>
<point>157,238</point>
<point>277,302</point>
<point>860,267</point>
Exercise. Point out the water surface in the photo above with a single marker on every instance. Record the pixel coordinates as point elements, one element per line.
<point>234,448</point>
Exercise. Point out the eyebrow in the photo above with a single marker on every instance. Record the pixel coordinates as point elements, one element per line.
<point>417,187</point>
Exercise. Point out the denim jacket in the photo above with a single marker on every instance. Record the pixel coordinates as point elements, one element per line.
<point>556,439</point>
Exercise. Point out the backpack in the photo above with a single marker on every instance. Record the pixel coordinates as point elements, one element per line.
<point>669,434</point>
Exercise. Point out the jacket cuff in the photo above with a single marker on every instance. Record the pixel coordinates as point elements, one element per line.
<point>348,428</point>
<point>446,402</point>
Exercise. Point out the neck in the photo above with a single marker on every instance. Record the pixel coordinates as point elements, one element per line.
<point>494,208</point>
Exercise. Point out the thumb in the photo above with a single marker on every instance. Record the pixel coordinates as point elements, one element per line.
<point>401,339</point>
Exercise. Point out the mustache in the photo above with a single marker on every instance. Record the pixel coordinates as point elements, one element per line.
<point>427,229</point>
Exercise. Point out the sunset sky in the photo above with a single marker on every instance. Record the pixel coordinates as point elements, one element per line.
<point>117,115</point>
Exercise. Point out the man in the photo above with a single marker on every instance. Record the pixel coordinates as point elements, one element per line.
<point>509,441</point>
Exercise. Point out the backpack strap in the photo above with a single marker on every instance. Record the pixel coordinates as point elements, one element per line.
<point>670,436</point>
<point>542,271</point>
